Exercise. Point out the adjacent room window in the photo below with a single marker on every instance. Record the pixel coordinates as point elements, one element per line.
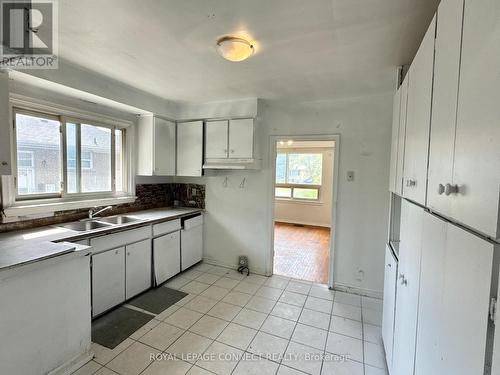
<point>57,157</point>
<point>298,175</point>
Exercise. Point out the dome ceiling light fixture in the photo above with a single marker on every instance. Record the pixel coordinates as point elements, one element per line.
<point>234,49</point>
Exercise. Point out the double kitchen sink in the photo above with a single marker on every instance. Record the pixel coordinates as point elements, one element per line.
<point>102,222</point>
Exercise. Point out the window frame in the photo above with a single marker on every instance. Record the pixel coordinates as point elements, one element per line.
<point>292,186</point>
<point>63,195</point>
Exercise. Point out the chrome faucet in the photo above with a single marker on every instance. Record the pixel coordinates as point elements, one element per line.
<point>92,214</point>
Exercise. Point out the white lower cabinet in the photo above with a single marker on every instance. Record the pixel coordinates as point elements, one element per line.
<point>167,256</point>
<point>405,327</point>
<point>390,277</point>
<point>137,268</point>
<point>443,298</point>
<point>454,300</point>
<point>108,280</point>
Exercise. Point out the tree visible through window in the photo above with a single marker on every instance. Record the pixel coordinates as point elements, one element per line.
<point>298,175</point>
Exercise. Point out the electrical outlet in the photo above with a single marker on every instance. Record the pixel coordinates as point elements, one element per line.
<point>350,176</point>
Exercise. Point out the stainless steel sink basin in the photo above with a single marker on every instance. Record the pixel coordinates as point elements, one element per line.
<point>119,219</point>
<point>82,226</point>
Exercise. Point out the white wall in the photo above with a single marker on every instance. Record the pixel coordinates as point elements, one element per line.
<point>310,213</point>
<point>238,221</point>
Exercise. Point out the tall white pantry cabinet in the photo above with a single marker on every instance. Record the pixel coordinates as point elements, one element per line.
<point>445,167</point>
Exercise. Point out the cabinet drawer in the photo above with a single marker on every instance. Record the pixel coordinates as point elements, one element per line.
<point>167,227</point>
<point>193,222</point>
<point>111,241</point>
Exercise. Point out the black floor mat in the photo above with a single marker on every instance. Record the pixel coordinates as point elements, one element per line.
<point>158,299</point>
<point>111,329</point>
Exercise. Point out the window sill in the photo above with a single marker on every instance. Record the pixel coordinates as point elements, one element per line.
<point>296,201</point>
<point>25,208</point>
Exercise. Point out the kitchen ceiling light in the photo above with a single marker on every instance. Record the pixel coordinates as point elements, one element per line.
<point>234,49</point>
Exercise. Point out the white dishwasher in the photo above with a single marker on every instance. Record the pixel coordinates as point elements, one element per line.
<point>191,241</point>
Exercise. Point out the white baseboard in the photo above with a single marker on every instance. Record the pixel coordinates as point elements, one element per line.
<point>234,266</point>
<point>73,365</point>
<point>309,223</point>
<point>355,290</point>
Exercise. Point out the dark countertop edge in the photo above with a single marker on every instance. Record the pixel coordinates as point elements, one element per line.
<point>124,227</point>
<point>70,250</point>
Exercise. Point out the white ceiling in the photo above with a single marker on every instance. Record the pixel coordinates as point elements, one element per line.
<point>306,50</point>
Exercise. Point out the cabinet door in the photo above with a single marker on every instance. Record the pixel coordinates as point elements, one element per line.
<point>108,280</point>
<point>166,256</point>
<point>216,133</point>
<point>477,150</point>
<point>455,281</point>
<point>396,109</point>
<point>164,147</point>
<point>427,357</point>
<point>418,119</point>
<point>190,148</point>
<point>465,303</point>
<point>405,327</point>
<point>402,135</point>
<point>191,246</point>
<point>390,278</point>
<point>241,139</point>
<point>5,162</point>
<point>444,103</point>
<point>138,268</point>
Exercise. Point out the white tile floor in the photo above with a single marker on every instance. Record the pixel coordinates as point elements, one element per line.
<point>251,325</point>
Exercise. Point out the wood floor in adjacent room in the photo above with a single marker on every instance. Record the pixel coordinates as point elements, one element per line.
<point>302,252</point>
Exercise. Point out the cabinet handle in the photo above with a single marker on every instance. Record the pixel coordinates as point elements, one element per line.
<point>128,253</point>
<point>410,182</point>
<point>403,279</point>
<point>450,189</point>
<point>232,151</point>
<point>116,252</point>
<point>389,265</point>
<point>4,163</point>
<point>440,189</point>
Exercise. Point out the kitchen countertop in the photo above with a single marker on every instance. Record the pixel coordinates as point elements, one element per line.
<point>31,245</point>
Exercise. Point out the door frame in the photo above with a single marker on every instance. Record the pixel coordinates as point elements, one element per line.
<point>273,139</point>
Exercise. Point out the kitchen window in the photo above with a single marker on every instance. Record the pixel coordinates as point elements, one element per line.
<point>298,176</point>
<point>58,157</point>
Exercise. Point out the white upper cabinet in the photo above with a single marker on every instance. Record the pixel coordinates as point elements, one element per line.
<point>216,139</point>
<point>5,126</point>
<point>418,119</point>
<point>241,139</point>
<point>156,147</point>
<point>230,144</point>
<point>229,139</point>
<point>189,148</point>
<point>398,188</point>
<point>396,111</point>
<point>476,170</point>
<point>444,103</point>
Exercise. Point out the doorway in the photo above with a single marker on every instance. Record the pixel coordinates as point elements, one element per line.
<point>303,206</point>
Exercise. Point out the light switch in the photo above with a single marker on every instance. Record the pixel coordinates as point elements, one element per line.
<point>350,175</point>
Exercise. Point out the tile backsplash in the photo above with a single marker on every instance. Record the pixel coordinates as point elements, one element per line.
<point>148,196</point>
